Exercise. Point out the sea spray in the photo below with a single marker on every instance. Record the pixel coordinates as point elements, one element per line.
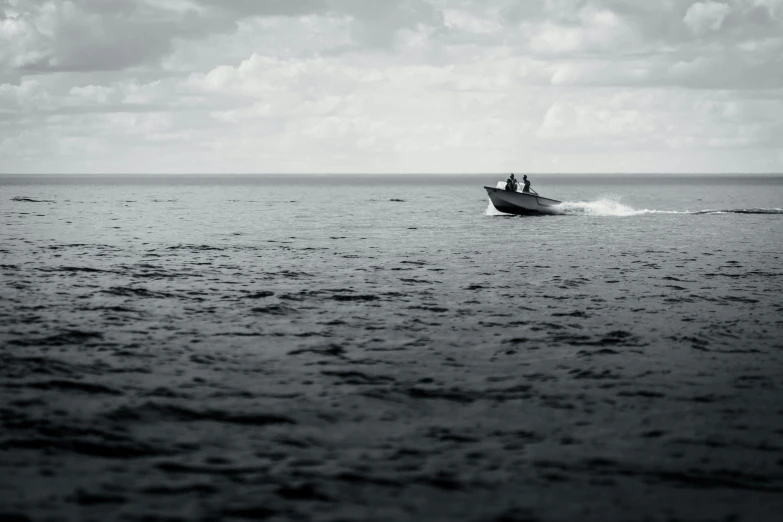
<point>491,210</point>
<point>605,207</point>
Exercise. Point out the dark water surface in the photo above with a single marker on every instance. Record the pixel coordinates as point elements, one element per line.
<point>389,348</point>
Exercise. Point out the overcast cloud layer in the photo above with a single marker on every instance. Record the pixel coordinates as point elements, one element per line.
<point>92,86</point>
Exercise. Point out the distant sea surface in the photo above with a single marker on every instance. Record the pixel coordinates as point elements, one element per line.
<point>390,348</point>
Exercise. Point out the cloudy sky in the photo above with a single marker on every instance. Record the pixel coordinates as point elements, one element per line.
<point>170,86</point>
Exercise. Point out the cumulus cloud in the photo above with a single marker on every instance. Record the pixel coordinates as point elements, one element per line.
<point>414,85</point>
<point>702,17</point>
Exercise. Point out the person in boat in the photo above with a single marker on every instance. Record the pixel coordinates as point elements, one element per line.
<point>512,184</point>
<point>526,184</point>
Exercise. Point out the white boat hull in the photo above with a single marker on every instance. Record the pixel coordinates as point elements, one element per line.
<point>521,203</point>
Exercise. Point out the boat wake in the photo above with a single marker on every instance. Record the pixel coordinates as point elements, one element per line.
<point>610,207</point>
<point>605,207</point>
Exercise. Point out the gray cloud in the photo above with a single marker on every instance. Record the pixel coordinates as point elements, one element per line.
<point>95,35</point>
<point>242,8</point>
<point>89,35</point>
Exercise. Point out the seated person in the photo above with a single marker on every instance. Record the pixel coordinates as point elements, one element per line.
<point>526,187</point>
<point>511,184</point>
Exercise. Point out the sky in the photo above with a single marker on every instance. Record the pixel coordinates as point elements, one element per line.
<point>391,86</point>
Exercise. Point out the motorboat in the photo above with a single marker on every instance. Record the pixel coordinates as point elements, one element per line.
<point>521,203</point>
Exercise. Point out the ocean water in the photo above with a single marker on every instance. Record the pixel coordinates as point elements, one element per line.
<point>390,348</point>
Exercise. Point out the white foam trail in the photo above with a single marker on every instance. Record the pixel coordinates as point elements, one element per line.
<point>605,207</point>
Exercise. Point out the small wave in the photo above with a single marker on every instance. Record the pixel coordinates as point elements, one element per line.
<point>194,248</point>
<point>274,309</point>
<point>64,338</point>
<point>127,291</point>
<point>154,412</point>
<point>74,269</point>
<point>743,211</point>
<point>31,200</point>
<point>354,297</point>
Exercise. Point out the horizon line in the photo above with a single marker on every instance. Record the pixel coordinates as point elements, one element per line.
<point>769,173</point>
